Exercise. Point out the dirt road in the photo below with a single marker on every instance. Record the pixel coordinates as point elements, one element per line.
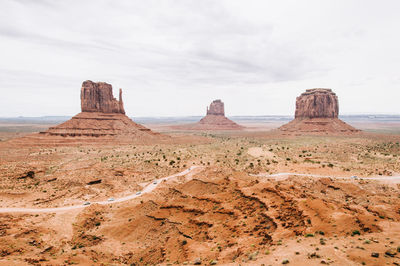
<point>147,189</point>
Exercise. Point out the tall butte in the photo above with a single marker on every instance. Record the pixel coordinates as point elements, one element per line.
<point>102,116</point>
<point>317,111</point>
<point>215,119</point>
<point>98,97</point>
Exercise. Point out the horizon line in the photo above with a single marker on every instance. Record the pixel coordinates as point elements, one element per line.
<point>168,116</point>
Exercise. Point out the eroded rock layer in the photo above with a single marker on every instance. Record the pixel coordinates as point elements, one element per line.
<point>98,97</point>
<point>216,108</point>
<point>95,124</point>
<point>215,119</point>
<point>317,103</point>
<point>317,111</point>
<point>102,116</point>
<point>215,122</point>
<point>318,126</point>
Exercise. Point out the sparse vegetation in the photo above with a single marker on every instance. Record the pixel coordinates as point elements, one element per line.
<point>232,187</point>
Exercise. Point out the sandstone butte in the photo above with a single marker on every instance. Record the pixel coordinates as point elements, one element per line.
<point>215,119</point>
<point>102,116</point>
<point>317,111</point>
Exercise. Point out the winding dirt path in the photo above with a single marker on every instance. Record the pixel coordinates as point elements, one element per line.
<point>147,189</point>
<point>151,186</point>
<point>286,175</point>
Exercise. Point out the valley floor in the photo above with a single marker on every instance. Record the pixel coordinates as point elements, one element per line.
<point>231,204</point>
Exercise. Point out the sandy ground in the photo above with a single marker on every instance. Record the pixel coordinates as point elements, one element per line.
<point>148,188</point>
<point>255,198</point>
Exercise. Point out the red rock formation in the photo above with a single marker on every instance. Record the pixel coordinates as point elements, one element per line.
<point>98,97</point>
<point>121,103</point>
<point>317,111</point>
<point>96,124</point>
<point>317,103</point>
<point>214,120</point>
<point>320,126</point>
<point>216,108</point>
<point>102,116</point>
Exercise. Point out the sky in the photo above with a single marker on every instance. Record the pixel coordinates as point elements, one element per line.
<point>173,57</point>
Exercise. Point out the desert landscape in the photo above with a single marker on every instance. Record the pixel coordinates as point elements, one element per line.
<point>247,196</point>
<point>184,132</point>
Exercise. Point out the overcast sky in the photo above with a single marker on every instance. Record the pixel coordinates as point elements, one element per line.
<point>172,58</point>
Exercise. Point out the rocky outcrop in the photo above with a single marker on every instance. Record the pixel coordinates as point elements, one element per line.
<point>216,108</point>
<point>317,112</point>
<point>217,122</point>
<point>215,119</point>
<point>102,116</point>
<point>317,103</point>
<point>319,126</point>
<point>98,97</point>
<point>96,124</point>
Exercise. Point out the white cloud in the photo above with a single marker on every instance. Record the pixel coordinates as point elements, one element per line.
<point>174,57</point>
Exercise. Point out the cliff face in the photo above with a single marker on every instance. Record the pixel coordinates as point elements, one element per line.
<point>216,108</point>
<point>317,112</point>
<point>102,116</point>
<point>98,97</point>
<point>317,103</point>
